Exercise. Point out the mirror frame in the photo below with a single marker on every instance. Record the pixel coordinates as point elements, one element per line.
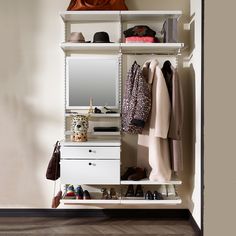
<point>117,81</point>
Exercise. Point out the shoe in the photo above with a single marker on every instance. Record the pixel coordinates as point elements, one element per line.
<point>130,191</point>
<point>139,191</point>
<point>157,196</point>
<point>113,194</point>
<point>96,110</point>
<point>70,192</point>
<point>149,195</point>
<point>86,195</point>
<point>79,192</point>
<point>129,171</point>
<point>105,194</point>
<point>139,174</point>
<point>108,111</point>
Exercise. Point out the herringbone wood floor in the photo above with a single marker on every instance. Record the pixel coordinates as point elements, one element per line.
<point>93,226</point>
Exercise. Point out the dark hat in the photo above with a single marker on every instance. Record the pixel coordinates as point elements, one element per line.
<point>101,37</point>
<point>139,30</point>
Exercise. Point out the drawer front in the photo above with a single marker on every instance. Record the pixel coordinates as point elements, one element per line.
<point>90,152</point>
<point>90,171</point>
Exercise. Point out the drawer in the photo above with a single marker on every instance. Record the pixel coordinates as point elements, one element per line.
<point>90,152</point>
<point>90,171</point>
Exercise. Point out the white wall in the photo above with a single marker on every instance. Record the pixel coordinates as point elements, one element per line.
<point>31,75</point>
<point>32,98</point>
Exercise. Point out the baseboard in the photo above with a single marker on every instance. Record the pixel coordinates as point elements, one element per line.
<point>195,226</point>
<point>162,214</point>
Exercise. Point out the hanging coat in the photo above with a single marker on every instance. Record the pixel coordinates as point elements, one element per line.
<point>136,101</point>
<point>176,121</point>
<point>153,142</point>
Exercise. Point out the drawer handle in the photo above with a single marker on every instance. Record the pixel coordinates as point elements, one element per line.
<point>92,151</point>
<point>92,164</point>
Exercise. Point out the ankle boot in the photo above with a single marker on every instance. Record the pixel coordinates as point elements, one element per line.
<point>139,191</point>
<point>130,191</point>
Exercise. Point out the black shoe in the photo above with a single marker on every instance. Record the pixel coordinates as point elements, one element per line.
<point>86,195</point>
<point>130,191</point>
<point>96,110</point>
<point>129,171</point>
<point>149,195</point>
<point>139,191</point>
<point>157,196</point>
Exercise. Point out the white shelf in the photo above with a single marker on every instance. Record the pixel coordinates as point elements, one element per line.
<point>124,47</point>
<point>149,182</point>
<point>151,47</point>
<point>90,46</point>
<point>117,133</point>
<point>169,201</point>
<point>90,201</point>
<point>97,143</point>
<point>94,115</point>
<point>106,133</point>
<point>148,15</point>
<point>90,16</point>
<point>106,115</point>
<point>114,16</point>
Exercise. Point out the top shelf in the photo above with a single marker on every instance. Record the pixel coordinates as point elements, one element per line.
<point>116,16</point>
<point>90,16</point>
<point>148,15</point>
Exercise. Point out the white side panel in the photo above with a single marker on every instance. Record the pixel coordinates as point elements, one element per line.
<point>196,64</point>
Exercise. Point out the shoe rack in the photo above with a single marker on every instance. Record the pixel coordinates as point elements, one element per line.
<point>98,161</point>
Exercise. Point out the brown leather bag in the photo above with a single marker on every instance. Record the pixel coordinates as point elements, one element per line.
<point>53,170</point>
<point>96,5</point>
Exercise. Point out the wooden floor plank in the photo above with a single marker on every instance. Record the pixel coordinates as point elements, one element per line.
<point>93,226</point>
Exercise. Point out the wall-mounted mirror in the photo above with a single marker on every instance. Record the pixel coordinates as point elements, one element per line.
<point>95,77</point>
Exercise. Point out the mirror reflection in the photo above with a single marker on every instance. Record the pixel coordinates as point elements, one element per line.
<point>92,77</point>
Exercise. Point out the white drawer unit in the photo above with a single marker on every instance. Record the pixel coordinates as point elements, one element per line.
<point>90,171</point>
<point>92,162</point>
<point>90,152</point>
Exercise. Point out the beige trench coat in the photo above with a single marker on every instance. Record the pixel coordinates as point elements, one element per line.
<point>153,142</point>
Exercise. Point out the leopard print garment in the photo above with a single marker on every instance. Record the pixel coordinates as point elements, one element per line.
<point>136,101</point>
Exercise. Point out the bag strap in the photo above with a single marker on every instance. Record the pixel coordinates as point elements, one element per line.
<point>55,146</point>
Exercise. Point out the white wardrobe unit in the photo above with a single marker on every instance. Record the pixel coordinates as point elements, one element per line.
<point>97,162</point>
<point>100,161</point>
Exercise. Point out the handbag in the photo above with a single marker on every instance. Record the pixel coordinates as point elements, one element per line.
<point>53,170</point>
<point>170,31</point>
<point>95,5</point>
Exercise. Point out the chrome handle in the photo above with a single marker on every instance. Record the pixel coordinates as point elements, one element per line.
<point>92,164</point>
<point>92,151</point>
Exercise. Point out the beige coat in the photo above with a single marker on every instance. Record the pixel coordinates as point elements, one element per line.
<point>153,142</point>
<point>176,124</point>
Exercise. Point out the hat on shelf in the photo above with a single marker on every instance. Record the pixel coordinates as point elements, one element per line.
<point>77,37</point>
<point>139,30</point>
<point>101,37</point>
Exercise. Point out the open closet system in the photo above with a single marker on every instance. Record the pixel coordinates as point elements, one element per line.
<point>100,162</point>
